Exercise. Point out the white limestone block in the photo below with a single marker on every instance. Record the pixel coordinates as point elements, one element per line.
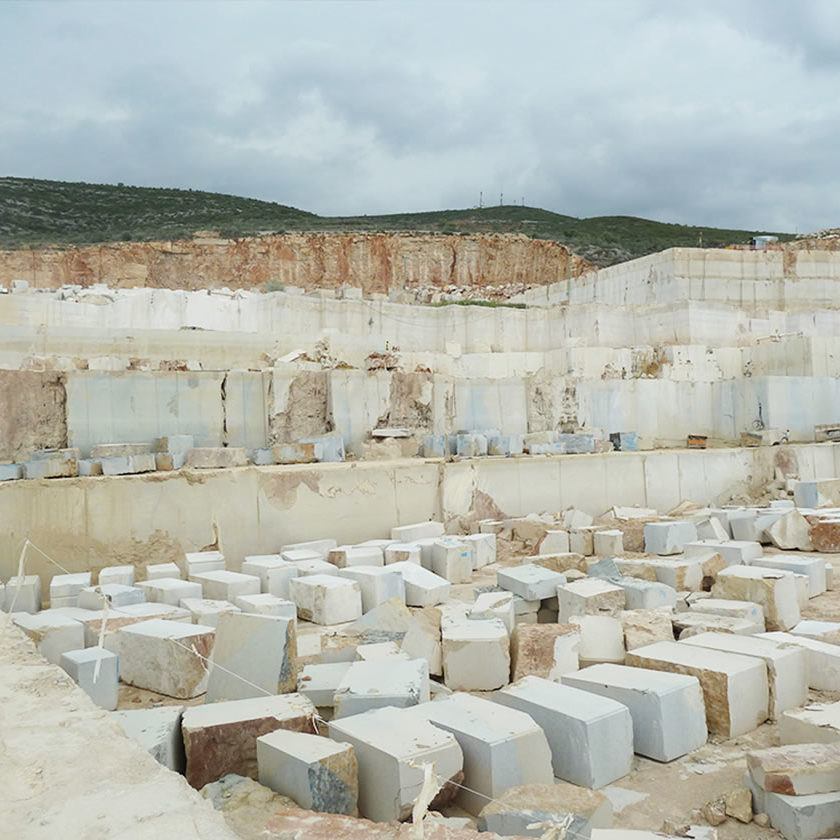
<point>80,666</point>
<point>226,586</point>
<point>259,566</point>
<point>321,548</point>
<point>117,595</point>
<point>377,651</point>
<point>774,590</point>
<point>812,567</point>
<point>735,687</point>
<point>377,584</point>
<point>391,747</point>
<point>402,553</point>
<point>317,773</point>
<point>476,654</point>
<point>418,531</point>
<point>668,712</point>
<point>373,685</point>
<point>422,639</point>
<point>253,655</point>
<point>553,542</point>
<point>326,599</point>
<point>669,537</point>
<point>823,659</point>
<point>796,769</point>
<point>787,667</point>
<point>169,590</point>
<point>573,518</point>
<point>734,552</point>
<point>533,583</point>
<point>117,574</point>
<point>22,594</point>
<point>266,604</point>
<point>590,737</point>
<point>798,817</point>
<point>601,639</point>
<point>199,562</point>
<point>380,544</point>
<point>690,623</point>
<point>205,611</point>
<point>791,531</point>
<point>65,589</point>
<point>646,594</point>
<point>497,605</point>
<point>484,549</point>
<point>423,588</point>
<point>159,571</point>
<point>818,723</point>
<point>52,634</point>
<point>608,543</point>
<point>314,567</point>
<point>163,656</point>
<point>278,578</point>
<point>582,541</point>
<point>356,555</point>
<point>589,596</point>
<point>158,731</point>
<point>712,528</point>
<point>744,525</point>
<point>319,682</point>
<point>680,575</point>
<point>502,746</point>
<point>452,560</point>
<point>730,608</point>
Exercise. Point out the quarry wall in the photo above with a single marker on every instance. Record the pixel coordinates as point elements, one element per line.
<point>372,262</point>
<point>88,523</point>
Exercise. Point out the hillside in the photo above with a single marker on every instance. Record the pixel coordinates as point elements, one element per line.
<point>37,212</point>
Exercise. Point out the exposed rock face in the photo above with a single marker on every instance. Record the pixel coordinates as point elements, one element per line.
<point>373,262</point>
<point>33,415</point>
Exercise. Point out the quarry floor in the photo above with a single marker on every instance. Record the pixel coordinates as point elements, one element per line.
<point>650,795</point>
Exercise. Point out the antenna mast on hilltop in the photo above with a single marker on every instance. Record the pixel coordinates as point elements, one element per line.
<point>481,200</point>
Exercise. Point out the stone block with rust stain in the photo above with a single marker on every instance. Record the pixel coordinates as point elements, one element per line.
<point>221,738</point>
<point>544,650</point>
<point>317,773</point>
<point>796,769</point>
<point>643,627</point>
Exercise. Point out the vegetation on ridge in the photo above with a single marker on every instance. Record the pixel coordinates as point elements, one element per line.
<point>36,212</point>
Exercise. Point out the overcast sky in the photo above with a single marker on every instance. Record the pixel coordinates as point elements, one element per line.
<point>721,113</point>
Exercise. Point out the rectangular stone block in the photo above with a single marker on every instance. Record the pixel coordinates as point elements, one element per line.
<point>317,773</point>
<point>65,589</point>
<point>484,549</point>
<point>476,654</point>
<point>207,612</point>
<point>823,492</point>
<point>391,747</point>
<point>774,590</point>
<point>258,565</point>
<point>373,685</point>
<point>163,656</point>
<point>170,590</point>
<point>590,737</point>
<point>128,464</point>
<point>117,574</point>
<point>355,555</point>
<point>266,604</point>
<point>681,575</point>
<point>159,571</point>
<point>668,712</point>
<point>452,560</point>
<point>326,599</point>
<point>422,639</point>
<point>422,587</point>
<point>158,731</point>
<point>787,667</point>
<point>417,531</point>
<point>254,655</point>
<point>609,543</point>
<point>91,620</point>
<point>307,568</point>
<point>690,623</point>
<point>52,634</point>
<point>544,650</point>
<point>117,595</point>
<point>216,457</point>
<point>58,465</point>
<point>553,542</point>
<point>497,605</point>
<point>818,723</point>
<point>319,682</point>
<point>22,594</point>
<point>80,666</point>
<point>11,472</point>
<point>278,579</point>
<point>221,738</point>
<point>589,596</point>
<point>734,552</point>
<point>735,687</point>
<point>297,453</point>
<point>730,608</point>
<point>601,639</point>
<point>198,562</point>
<point>402,553</point>
<point>226,586</point>
<point>669,537</point>
<point>812,567</point>
<point>533,583</point>
<point>502,746</point>
<point>328,448</point>
<point>377,584</point>
<point>645,594</point>
<point>822,658</point>
<point>320,548</point>
<point>582,541</point>
<point>796,769</point>
<point>798,817</point>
